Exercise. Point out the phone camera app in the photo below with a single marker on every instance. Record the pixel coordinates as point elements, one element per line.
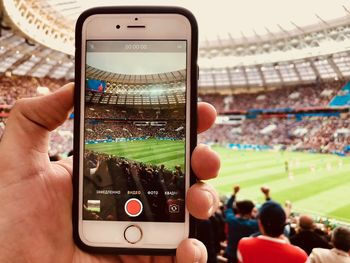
<point>135,130</point>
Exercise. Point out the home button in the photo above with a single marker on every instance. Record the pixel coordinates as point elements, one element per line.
<point>133,234</point>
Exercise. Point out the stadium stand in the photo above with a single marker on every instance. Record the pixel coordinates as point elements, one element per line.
<point>342,98</point>
<point>162,112</point>
<point>298,96</point>
<point>15,87</point>
<point>97,130</point>
<point>303,118</point>
<point>315,134</point>
<point>18,87</point>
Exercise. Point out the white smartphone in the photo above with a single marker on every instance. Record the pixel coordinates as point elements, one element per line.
<point>135,128</point>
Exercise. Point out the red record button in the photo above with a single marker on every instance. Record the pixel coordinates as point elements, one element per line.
<point>133,207</point>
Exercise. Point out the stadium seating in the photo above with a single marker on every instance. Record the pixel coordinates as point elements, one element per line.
<point>342,98</point>
<point>13,88</point>
<point>298,96</point>
<point>317,134</point>
<point>100,130</point>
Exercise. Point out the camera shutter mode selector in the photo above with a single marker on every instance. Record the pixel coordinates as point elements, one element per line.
<point>133,234</point>
<point>133,207</point>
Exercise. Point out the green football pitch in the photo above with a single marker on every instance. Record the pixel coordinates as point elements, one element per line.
<point>318,184</point>
<point>151,151</point>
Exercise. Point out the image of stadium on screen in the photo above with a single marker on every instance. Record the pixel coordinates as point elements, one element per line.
<point>134,131</point>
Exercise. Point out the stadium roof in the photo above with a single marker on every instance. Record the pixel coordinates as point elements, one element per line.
<point>133,79</point>
<point>233,20</point>
<point>243,43</point>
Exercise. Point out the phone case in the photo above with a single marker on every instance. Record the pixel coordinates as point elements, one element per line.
<point>193,115</point>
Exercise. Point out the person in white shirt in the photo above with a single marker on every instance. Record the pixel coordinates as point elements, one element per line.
<point>339,254</point>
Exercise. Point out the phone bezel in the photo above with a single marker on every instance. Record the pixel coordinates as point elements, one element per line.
<point>192,104</point>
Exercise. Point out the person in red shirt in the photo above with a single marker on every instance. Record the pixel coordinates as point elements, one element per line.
<point>271,246</point>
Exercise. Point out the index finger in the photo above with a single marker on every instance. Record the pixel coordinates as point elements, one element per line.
<point>206,116</point>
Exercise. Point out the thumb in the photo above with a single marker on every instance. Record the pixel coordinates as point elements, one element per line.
<point>31,120</point>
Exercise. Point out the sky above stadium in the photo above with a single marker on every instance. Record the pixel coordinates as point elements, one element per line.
<point>237,19</point>
<point>137,63</point>
<point>147,57</point>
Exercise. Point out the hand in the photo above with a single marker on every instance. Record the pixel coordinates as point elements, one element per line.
<point>265,190</point>
<point>236,189</point>
<point>288,208</point>
<point>36,195</point>
<point>288,204</point>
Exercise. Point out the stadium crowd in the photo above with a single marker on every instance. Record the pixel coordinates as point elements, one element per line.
<point>61,139</point>
<point>317,134</point>
<point>108,178</point>
<point>18,87</point>
<point>13,88</point>
<point>241,231</point>
<point>300,96</point>
<point>98,111</point>
<point>112,130</point>
<point>321,135</point>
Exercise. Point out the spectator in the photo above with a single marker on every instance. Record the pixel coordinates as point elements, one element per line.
<point>307,238</point>
<point>339,254</point>
<point>240,225</point>
<point>271,246</point>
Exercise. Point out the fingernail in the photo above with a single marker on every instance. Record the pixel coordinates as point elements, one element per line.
<point>197,253</point>
<point>204,146</point>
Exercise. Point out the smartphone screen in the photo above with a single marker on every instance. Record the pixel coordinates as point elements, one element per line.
<point>135,131</point>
